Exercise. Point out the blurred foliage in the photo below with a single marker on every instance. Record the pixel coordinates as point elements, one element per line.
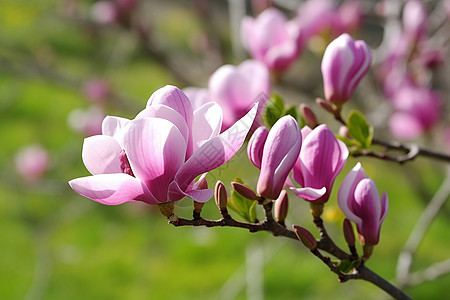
<point>56,244</point>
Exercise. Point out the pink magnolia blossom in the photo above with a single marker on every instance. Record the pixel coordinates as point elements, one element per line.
<point>415,20</point>
<point>255,145</point>
<point>280,152</point>
<point>96,90</point>
<point>271,39</point>
<point>31,162</point>
<point>315,16</point>
<point>155,157</point>
<point>86,121</point>
<point>237,88</point>
<point>360,202</point>
<point>344,63</point>
<point>417,110</point>
<point>321,159</point>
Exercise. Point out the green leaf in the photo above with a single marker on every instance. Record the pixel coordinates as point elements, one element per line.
<point>246,208</point>
<point>345,266</point>
<point>292,111</point>
<point>359,129</point>
<point>274,110</point>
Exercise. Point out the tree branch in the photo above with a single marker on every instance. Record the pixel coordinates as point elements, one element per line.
<point>325,244</point>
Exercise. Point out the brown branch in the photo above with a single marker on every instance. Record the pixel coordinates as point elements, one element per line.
<point>325,244</point>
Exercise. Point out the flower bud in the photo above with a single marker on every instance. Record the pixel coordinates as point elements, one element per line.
<point>305,237</point>
<point>325,105</point>
<point>344,63</point>
<point>280,153</point>
<point>244,191</point>
<point>220,195</point>
<point>281,207</point>
<point>256,145</point>
<point>343,131</point>
<point>308,115</point>
<point>349,234</point>
<point>360,202</point>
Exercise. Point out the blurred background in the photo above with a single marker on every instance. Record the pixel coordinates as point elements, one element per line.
<point>66,64</point>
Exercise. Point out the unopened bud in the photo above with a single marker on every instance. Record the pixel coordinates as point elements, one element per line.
<point>349,234</point>
<point>308,115</point>
<point>343,131</point>
<point>220,194</point>
<point>281,207</point>
<point>325,105</point>
<point>305,237</point>
<point>168,209</point>
<point>244,191</point>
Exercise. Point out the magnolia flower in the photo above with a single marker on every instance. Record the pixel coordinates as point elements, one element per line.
<point>344,63</point>
<point>156,157</point>
<point>279,154</point>
<point>96,90</point>
<point>31,162</point>
<point>271,39</point>
<point>321,159</point>
<point>360,202</point>
<point>86,121</point>
<point>417,110</point>
<point>415,20</point>
<point>237,88</point>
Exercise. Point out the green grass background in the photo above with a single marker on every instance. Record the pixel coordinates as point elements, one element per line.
<point>55,244</point>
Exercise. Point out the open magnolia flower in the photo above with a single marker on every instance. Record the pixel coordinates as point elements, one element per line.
<point>156,157</point>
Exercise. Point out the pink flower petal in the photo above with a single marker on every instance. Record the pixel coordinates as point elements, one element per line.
<point>216,151</point>
<point>165,112</point>
<point>156,149</point>
<point>309,194</point>
<point>101,154</point>
<point>111,125</point>
<point>198,195</point>
<point>207,123</point>
<point>112,189</point>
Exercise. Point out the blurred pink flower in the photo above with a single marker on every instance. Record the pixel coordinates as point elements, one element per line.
<point>415,21</point>
<point>315,16</point>
<point>344,63</point>
<point>31,162</point>
<point>271,39</point>
<point>417,110</point>
<point>360,202</point>
<point>86,121</point>
<point>237,88</point>
<point>280,152</point>
<point>321,159</point>
<point>104,12</point>
<point>156,157</point>
<point>348,18</point>
<point>96,90</point>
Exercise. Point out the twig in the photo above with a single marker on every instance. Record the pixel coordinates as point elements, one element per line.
<point>431,273</point>
<point>405,258</point>
<point>325,244</point>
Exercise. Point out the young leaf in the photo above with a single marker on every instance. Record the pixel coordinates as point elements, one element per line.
<point>246,208</point>
<point>359,129</point>
<point>274,110</point>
